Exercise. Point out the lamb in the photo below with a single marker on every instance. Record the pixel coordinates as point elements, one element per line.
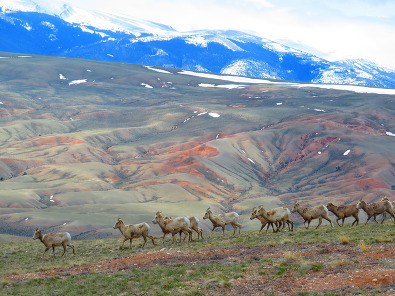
<point>344,211</point>
<point>52,240</point>
<point>278,216</point>
<point>134,231</point>
<point>376,208</point>
<point>311,213</point>
<point>173,225</point>
<point>222,220</point>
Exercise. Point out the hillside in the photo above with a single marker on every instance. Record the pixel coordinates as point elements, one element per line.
<point>85,142</point>
<point>327,261</point>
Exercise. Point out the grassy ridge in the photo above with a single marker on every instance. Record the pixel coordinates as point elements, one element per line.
<point>176,278</point>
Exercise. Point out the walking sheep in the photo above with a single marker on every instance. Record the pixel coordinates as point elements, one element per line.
<point>222,220</point>
<point>52,240</point>
<point>376,208</point>
<point>279,216</point>
<point>173,225</point>
<point>133,231</point>
<point>344,211</point>
<point>264,222</point>
<point>311,213</point>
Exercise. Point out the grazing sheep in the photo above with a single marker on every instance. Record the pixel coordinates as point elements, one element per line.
<point>133,231</point>
<point>376,208</point>
<point>264,222</point>
<point>52,240</point>
<point>173,226</point>
<point>344,211</point>
<point>222,220</point>
<point>311,213</point>
<point>278,216</point>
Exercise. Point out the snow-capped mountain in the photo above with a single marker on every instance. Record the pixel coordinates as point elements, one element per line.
<point>62,30</point>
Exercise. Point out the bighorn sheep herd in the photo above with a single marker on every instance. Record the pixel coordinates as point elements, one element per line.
<point>276,218</point>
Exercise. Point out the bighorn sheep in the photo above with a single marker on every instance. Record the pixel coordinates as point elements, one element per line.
<point>133,231</point>
<point>376,208</point>
<point>173,225</point>
<point>52,240</point>
<point>222,220</point>
<point>311,213</point>
<point>194,221</point>
<point>278,216</point>
<point>264,222</point>
<point>344,211</point>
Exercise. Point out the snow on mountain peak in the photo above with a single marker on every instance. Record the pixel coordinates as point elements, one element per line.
<point>96,19</point>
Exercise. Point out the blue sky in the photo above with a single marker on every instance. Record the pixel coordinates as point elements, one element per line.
<point>332,29</point>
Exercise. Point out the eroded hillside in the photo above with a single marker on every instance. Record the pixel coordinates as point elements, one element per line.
<point>85,142</point>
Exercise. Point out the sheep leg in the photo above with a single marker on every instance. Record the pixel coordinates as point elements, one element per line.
<point>392,214</point>
<point>53,251</point>
<point>71,246</point>
<point>145,240</point>
<point>46,249</point>
<point>328,219</point>
<point>201,233</point>
<point>263,226</point>
<point>319,222</point>
<point>308,223</point>
<point>124,240</point>
<point>384,217</point>
<point>356,219</point>
<point>337,221</point>
<point>152,238</point>
<point>292,225</point>
<point>283,225</point>
<point>64,249</point>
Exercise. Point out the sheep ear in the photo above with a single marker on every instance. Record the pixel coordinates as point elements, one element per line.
<point>119,219</point>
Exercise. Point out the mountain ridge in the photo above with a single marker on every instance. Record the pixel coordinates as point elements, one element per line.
<point>72,32</point>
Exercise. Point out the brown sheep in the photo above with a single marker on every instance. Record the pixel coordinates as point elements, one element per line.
<point>376,208</point>
<point>264,222</point>
<point>133,231</point>
<point>278,216</point>
<point>173,225</point>
<point>52,240</point>
<point>311,213</point>
<point>222,220</point>
<point>344,211</point>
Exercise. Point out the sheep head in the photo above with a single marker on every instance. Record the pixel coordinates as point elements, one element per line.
<point>37,234</point>
<point>118,223</point>
<point>207,214</point>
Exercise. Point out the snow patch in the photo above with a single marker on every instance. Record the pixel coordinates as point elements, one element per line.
<point>77,81</point>
<point>62,77</point>
<point>158,70</point>
<point>347,152</point>
<point>212,114</point>
<point>390,134</point>
<point>228,86</point>
<point>238,79</point>
<point>146,85</point>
